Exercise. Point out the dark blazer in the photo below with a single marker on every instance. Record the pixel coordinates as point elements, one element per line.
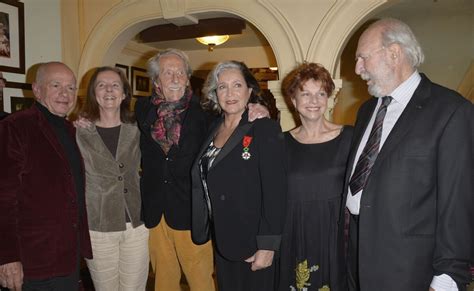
<point>166,181</point>
<point>248,197</point>
<point>38,201</point>
<point>416,217</point>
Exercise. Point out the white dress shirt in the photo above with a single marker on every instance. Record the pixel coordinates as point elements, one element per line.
<point>401,96</point>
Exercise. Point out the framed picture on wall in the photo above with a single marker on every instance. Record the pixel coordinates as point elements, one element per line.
<point>141,84</point>
<point>20,103</point>
<point>125,70</point>
<point>12,36</point>
<point>17,96</point>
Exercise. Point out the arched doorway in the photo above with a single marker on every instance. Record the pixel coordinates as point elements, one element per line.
<point>442,33</point>
<point>321,39</point>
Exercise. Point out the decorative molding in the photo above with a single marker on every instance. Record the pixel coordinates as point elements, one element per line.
<point>287,28</point>
<point>139,50</point>
<point>335,28</point>
<point>286,115</point>
<point>332,101</point>
<point>174,11</point>
<point>121,23</point>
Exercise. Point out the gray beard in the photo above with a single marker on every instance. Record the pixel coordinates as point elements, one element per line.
<point>375,91</point>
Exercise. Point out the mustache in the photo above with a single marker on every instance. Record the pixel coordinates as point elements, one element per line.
<point>176,87</point>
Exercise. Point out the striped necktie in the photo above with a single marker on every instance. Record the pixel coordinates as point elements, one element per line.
<point>371,150</point>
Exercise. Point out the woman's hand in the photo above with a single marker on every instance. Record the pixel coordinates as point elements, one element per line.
<point>82,122</point>
<point>257,111</point>
<point>261,259</point>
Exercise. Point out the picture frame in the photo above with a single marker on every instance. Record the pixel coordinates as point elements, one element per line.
<point>133,100</point>
<point>125,69</point>
<point>141,83</point>
<point>12,36</point>
<point>17,96</point>
<point>20,103</point>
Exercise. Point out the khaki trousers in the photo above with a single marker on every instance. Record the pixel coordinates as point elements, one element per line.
<point>120,259</point>
<point>173,251</point>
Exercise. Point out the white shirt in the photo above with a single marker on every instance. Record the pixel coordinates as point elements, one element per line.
<point>401,96</point>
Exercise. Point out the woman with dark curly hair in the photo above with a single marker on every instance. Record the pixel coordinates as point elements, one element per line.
<point>316,152</point>
<point>239,184</point>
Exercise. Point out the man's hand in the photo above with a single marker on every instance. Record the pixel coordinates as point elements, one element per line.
<point>11,276</point>
<point>82,122</point>
<point>261,259</point>
<point>257,111</point>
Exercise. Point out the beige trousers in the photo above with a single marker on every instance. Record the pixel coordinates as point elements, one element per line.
<point>173,251</point>
<point>120,259</point>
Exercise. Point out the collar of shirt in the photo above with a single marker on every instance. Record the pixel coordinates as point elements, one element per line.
<point>403,93</point>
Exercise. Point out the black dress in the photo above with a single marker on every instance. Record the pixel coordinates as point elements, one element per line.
<point>311,253</point>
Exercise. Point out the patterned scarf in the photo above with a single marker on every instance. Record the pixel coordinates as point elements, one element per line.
<point>167,128</point>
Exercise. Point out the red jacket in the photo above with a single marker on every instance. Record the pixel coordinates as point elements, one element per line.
<point>38,201</point>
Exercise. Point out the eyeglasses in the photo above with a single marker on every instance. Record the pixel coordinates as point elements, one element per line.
<point>369,55</point>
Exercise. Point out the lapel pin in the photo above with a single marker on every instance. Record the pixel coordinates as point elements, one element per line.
<point>246,142</point>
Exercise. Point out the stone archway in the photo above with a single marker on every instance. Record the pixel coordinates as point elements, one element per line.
<point>336,29</point>
<point>124,21</point>
<point>127,18</point>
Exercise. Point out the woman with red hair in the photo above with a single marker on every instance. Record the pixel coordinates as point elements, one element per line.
<point>317,152</point>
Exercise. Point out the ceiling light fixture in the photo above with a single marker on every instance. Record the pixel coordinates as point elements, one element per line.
<point>212,41</point>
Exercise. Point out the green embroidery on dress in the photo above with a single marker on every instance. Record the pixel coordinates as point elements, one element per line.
<point>303,273</point>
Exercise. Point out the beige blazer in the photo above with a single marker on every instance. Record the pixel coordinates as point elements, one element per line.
<point>112,184</point>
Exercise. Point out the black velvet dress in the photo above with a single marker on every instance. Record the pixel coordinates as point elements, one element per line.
<point>312,248</point>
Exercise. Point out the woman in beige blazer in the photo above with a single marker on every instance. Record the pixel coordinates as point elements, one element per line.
<point>110,148</point>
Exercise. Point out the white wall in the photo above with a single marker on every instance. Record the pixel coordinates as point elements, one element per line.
<point>42,35</point>
<point>42,42</point>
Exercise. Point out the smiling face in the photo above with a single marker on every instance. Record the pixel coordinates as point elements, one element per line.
<point>232,92</point>
<point>172,78</point>
<point>374,65</point>
<point>310,101</point>
<point>109,91</point>
<point>55,89</point>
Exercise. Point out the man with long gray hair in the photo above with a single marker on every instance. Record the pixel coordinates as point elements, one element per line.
<point>173,126</point>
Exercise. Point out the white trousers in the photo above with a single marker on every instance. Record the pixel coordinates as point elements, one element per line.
<point>120,259</point>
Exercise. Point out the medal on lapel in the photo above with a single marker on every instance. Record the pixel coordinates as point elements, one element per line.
<point>246,142</point>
